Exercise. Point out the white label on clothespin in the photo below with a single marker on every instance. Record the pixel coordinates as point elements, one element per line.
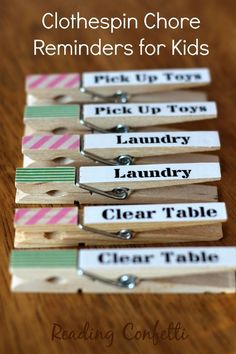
<point>173,109</point>
<point>162,172</point>
<point>178,258</point>
<point>153,213</point>
<point>145,77</point>
<point>155,139</point>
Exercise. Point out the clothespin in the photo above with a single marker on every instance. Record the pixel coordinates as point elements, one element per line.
<point>110,117</point>
<point>111,86</point>
<point>127,183</point>
<point>113,149</point>
<point>127,270</point>
<point>98,225</point>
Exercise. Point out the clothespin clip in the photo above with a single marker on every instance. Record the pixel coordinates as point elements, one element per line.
<point>127,270</point>
<point>111,86</point>
<point>113,149</point>
<point>110,225</point>
<point>114,118</point>
<point>127,183</point>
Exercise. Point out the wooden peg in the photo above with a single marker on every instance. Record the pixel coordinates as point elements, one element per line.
<point>107,86</point>
<point>110,117</point>
<point>69,184</point>
<point>134,224</point>
<point>127,270</point>
<point>114,149</point>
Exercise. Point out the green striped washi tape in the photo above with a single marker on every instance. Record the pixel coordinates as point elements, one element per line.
<point>46,258</point>
<point>58,111</point>
<point>46,174</point>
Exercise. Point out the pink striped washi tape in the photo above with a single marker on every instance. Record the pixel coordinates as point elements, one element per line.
<point>53,81</point>
<point>45,216</point>
<point>51,142</point>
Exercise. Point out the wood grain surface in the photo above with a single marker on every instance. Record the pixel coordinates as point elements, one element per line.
<point>27,320</point>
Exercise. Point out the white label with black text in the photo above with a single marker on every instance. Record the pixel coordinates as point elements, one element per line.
<point>155,213</point>
<point>173,109</point>
<point>161,258</point>
<point>207,139</point>
<point>162,172</point>
<point>146,77</point>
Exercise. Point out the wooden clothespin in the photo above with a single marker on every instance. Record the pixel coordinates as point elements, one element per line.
<point>131,184</point>
<point>127,270</point>
<point>111,117</point>
<point>111,86</point>
<point>113,149</point>
<point>110,225</point>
